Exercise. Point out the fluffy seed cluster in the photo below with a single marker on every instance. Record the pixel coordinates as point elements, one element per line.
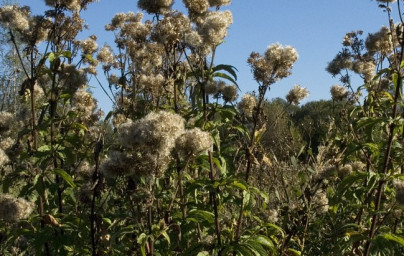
<point>155,6</point>
<point>229,93</point>
<point>105,55</point>
<point>89,45</point>
<point>193,142</point>
<point>345,170</point>
<point>171,28</point>
<point>152,83</point>
<point>15,17</point>
<point>273,215</point>
<point>297,94</point>
<point>73,78</point>
<point>84,103</point>
<point>338,92</point>
<point>193,39</point>
<point>197,7</point>
<point>3,158</point>
<point>382,41</point>
<point>276,63</point>
<point>214,27</point>
<point>6,121</point>
<point>219,3</point>
<point>399,186</point>
<point>148,143</point>
<point>247,104</point>
<point>320,202</point>
<point>72,5</point>
<point>365,68</point>
<point>14,209</point>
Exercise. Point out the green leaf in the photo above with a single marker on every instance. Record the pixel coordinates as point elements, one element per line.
<point>52,56</point>
<point>293,252</point>
<point>166,236</point>
<point>347,182</point>
<point>65,176</point>
<point>141,240</point>
<point>393,238</point>
<point>239,185</point>
<point>201,216</point>
<point>229,68</point>
<point>66,54</point>
<point>227,77</point>
<point>264,241</point>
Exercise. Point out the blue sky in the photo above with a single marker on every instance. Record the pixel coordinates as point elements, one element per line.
<point>314,27</point>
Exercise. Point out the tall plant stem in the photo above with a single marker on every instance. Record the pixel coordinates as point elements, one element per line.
<point>96,181</point>
<point>213,196</point>
<point>386,163</point>
<point>250,148</point>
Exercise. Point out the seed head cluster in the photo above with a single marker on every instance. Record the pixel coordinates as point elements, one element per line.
<point>14,209</point>
<point>383,41</point>
<point>214,27</point>
<point>338,92</point>
<point>276,63</point>
<point>155,6</point>
<point>171,28</point>
<point>297,94</point>
<point>320,201</point>
<point>399,186</point>
<point>229,93</point>
<point>193,142</point>
<point>15,17</point>
<point>247,104</point>
<point>148,143</point>
<point>219,3</point>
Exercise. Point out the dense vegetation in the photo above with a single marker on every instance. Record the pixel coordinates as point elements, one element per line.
<point>182,165</point>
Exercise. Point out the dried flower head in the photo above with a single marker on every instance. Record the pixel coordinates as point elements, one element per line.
<point>84,103</point>
<point>247,104</point>
<point>117,164</point>
<point>365,68</point>
<point>85,170</point>
<point>157,131</point>
<point>155,6</point>
<point>171,29</point>
<point>6,121</point>
<point>276,63</point>
<point>213,30</point>
<point>89,45</point>
<point>229,93</point>
<point>3,158</point>
<point>383,41</point>
<point>399,186</point>
<point>218,3</point>
<point>345,170</point>
<point>105,55</point>
<point>320,202</point>
<point>193,142</point>
<point>6,143</point>
<point>338,92</point>
<point>73,78</point>
<point>297,94</point>
<point>15,17</point>
<point>14,209</point>
<point>197,7</point>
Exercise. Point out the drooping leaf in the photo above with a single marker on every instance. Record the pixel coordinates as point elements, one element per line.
<point>65,176</point>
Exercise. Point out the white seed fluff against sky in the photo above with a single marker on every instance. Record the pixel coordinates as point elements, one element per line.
<point>314,27</point>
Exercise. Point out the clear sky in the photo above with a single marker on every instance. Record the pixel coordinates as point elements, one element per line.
<point>314,27</point>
